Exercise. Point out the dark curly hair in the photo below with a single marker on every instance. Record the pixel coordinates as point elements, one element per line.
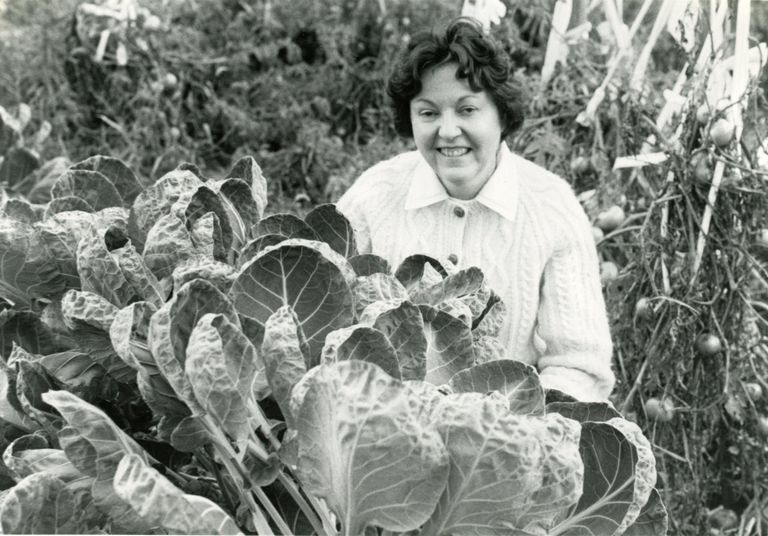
<point>480,60</point>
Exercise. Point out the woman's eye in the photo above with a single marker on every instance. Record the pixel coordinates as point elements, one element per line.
<point>468,110</point>
<point>427,113</point>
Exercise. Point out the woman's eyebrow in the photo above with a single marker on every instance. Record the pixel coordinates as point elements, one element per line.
<point>424,100</point>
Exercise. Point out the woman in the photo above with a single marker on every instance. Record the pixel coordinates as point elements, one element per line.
<point>465,197</point>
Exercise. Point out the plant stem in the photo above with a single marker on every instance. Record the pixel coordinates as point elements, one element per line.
<point>272,511</point>
<point>259,520</point>
<point>230,460</point>
<point>323,526</point>
<point>707,219</point>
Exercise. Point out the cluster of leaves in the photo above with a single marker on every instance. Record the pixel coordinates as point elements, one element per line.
<point>710,435</point>
<point>173,359</point>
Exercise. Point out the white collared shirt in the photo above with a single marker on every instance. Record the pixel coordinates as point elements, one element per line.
<point>529,235</point>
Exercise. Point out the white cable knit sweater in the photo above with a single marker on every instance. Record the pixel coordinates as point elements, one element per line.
<point>527,232</point>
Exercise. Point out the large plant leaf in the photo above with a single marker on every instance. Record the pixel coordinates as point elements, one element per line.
<point>449,345</point>
<point>26,271</point>
<point>171,326</point>
<point>167,244</point>
<point>242,207</point>
<point>135,271</point>
<point>518,382</point>
<point>645,469</point>
<point>253,247</point>
<point>219,274</point>
<point>249,171</point>
<point>161,504</point>
<point>364,448</point>
<point>403,326</point>
<point>31,454</point>
<point>27,330</point>
<point>333,228</point>
<point>369,264</point>
<point>22,211</point>
<point>584,411</point>
<point>99,271</point>
<point>652,520</point>
<point>18,163</point>
<point>81,375</point>
<point>156,201</point>
<point>305,275</point>
<point>117,172</point>
<point>32,381</point>
<point>95,445</point>
<point>456,285</point>
<point>223,366</point>
<point>608,499</point>
<point>39,504</point>
<point>207,236</point>
<point>365,344</point>
<point>283,357</point>
<point>509,474</point>
<point>89,318</point>
<point>376,287</point>
<point>60,205</point>
<point>13,452</point>
<point>286,225</point>
<point>61,234</point>
<point>91,186</point>
<point>129,333</point>
<point>11,411</point>
<point>203,202</point>
<point>411,270</point>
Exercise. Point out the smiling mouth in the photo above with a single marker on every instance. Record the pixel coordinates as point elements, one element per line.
<point>453,151</point>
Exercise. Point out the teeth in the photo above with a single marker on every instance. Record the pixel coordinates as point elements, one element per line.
<point>460,151</point>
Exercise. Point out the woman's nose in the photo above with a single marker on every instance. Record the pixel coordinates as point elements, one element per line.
<point>449,127</point>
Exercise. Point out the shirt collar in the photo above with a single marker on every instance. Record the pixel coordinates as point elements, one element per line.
<point>499,193</point>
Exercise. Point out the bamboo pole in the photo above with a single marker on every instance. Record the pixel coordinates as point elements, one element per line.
<point>557,48</point>
<point>737,95</point>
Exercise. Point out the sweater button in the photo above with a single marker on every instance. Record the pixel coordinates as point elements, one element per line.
<point>453,258</point>
<point>458,212</point>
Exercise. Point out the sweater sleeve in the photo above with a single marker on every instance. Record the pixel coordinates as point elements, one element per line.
<point>572,319</point>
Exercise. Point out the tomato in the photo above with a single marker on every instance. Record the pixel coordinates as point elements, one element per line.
<point>643,309</point>
<point>581,165</point>
<point>608,272</point>
<point>754,391</point>
<point>721,132</point>
<point>762,238</point>
<point>708,345</point>
<point>610,219</point>
<point>702,114</point>
<point>724,518</point>
<point>702,169</point>
<point>153,23</point>
<point>762,425</point>
<point>597,234</point>
<point>170,81</point>
<point>661,410</point>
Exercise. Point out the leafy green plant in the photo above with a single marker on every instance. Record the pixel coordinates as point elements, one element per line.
<point>174,359</point>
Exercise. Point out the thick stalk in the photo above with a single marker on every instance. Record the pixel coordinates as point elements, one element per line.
<point>658,26</point>
<point>587,117</point>
<point>557,48</point>
<point>322,527</point>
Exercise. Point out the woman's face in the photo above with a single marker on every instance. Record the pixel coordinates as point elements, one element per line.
<point>457,130</point>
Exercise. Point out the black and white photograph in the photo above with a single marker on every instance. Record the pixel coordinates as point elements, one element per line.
<point>384,267</point>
